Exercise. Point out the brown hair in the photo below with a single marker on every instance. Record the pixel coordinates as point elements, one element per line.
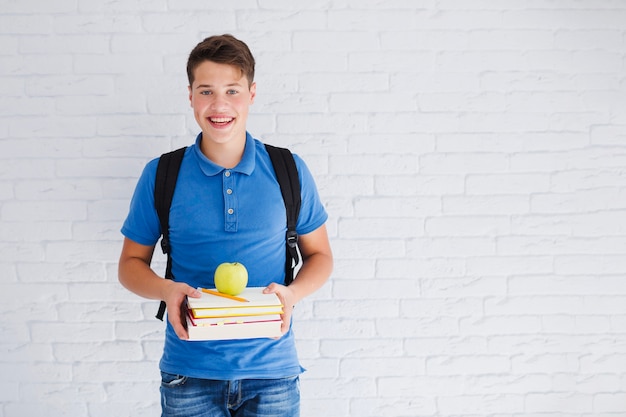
<point>222,49</point>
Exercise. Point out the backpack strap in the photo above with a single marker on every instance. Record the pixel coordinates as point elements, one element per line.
<point>287,175</point>
<point>165,183</point>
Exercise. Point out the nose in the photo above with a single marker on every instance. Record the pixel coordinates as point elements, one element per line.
<point>219,102</point>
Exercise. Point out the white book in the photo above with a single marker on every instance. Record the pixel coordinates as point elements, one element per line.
<point>256,303</point>
<point>234,328</point>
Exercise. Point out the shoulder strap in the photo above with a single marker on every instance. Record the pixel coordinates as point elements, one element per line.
<point>287,175</point>
<point>164,185</point>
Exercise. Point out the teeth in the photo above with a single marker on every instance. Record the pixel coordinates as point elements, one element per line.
<point>221,119</point>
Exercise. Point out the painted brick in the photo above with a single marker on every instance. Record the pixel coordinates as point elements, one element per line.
<point>463,163</point>
<point>64,44</point>
<point>558,402</point>
<point>25,24</point>
<point>481,404</point>
<point>96,23</point>
<point>382,366</point>
<point>52,190</point>
<point>343,82</point>
<point>470,156</point>
<point>373,348</point>
<point>127,6</point>
<point>500,325</point>
<point>464,287</point>
<point>397,406</point>
<point>459,365</point>
<point>467,226</point>
<point>425,185</point>
<point>372,102</point>
<point>421,267</point>
<point>369,19</point>
<point>283,20</point>
<point>384,228</point>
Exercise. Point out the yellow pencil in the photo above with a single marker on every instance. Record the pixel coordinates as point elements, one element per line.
<point>219,294</point>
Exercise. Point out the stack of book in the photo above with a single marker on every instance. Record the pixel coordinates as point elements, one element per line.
<point>217,316</point>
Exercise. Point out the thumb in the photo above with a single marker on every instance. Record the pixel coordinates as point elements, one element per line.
<point>193,292</point>
<point>271,289</point>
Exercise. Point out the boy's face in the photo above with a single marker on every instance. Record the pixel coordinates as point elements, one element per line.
<point>220,97</point>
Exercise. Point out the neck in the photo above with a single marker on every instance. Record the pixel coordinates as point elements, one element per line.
<point>226,155</point>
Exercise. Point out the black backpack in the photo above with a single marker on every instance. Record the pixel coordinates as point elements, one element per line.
<point>287,175</point>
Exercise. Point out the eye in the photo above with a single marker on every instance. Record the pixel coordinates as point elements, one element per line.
<point>205,92</point>
<point>231,92</point>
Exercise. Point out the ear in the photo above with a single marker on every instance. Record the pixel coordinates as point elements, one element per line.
<point>190,95</point>
<point>252,92</point>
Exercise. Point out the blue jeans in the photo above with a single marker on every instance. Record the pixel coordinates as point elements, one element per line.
<point>191,397</point>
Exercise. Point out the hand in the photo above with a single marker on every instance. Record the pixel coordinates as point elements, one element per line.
<point>287,298</point>
<point>174,297</point>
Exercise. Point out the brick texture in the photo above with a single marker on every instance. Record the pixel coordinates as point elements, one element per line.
<point>472,157</point>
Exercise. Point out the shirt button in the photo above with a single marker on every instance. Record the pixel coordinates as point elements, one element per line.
<point>229,191</point>
<point>231,211</point>
<point>227,173</point>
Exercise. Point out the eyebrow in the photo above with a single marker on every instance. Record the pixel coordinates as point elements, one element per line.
<point>227,85</point>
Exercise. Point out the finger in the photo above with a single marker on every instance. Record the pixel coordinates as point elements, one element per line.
<point>180,331</point>
<point>286,322</point>
<point>271,289</point>
<point>175,319</point>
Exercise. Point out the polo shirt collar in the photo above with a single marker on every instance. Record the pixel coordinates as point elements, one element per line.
<point>210,168</point>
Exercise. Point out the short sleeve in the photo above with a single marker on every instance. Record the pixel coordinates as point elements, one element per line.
<point>312,211</point>
<point>142,223</point>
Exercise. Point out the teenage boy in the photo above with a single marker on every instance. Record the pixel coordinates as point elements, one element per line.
<point>227,207</point>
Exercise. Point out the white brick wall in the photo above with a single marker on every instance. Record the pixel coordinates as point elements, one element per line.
<point>472,156</point>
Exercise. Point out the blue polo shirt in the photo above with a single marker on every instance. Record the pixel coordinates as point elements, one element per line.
<point>226,215</point>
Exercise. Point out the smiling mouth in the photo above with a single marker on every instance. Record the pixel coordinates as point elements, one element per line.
<point>220,121</point>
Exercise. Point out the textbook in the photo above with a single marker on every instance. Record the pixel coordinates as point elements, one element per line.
<point>217,316</point>
<point>231,328</point>
<point>205,313</point>
<point>215,304</point>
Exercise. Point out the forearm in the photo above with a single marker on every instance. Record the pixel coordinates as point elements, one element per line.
<point>137,276</point>
<point>317,264</point>
<point>313,274</point>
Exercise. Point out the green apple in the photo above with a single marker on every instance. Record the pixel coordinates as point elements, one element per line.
<point>231,278</point>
